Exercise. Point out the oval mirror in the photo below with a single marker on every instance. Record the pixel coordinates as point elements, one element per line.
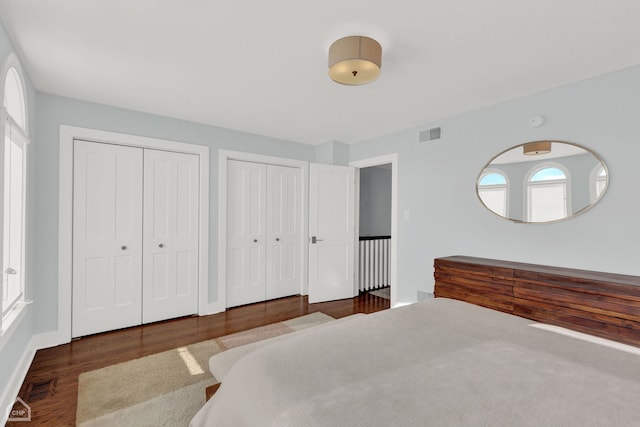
<point>542,181</point>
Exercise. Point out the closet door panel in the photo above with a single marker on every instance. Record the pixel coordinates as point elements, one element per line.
<point>246,212</point>
<point>107,237</point>
<point>283,231</point>
<point>170,280</point>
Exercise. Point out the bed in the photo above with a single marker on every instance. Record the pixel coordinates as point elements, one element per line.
<point>442,362</point>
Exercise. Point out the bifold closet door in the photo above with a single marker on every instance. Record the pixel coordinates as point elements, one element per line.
<point>170,255</point>
<point>263,232</point>
<point>246,216</point>
<point>107,237</point>
<point>135,236</point>
<point>283,231</point>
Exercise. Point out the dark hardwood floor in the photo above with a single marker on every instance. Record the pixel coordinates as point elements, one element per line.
<point>51,385</point>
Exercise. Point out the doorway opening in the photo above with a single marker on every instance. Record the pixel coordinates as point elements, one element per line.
<point>375,230</point>
<point>377,226</point>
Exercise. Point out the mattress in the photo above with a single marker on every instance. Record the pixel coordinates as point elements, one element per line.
<point>440,362</point>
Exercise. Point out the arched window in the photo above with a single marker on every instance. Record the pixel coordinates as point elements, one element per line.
<point>493,191</point>
<point>14,144</point>
<point>598,182</point>
<point>14,99</point>
<point>547,194</point>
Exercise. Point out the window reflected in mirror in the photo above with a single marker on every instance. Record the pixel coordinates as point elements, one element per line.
<point>598,183</point>
<point>540,186</point>
<point>492,189</point>
<point>547,195</point>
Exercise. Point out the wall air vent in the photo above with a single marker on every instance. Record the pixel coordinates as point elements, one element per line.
<point>429,134</point>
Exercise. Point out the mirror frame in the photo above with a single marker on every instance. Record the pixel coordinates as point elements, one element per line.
<point>573,214</point>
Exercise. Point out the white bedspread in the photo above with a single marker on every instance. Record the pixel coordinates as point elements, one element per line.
<point>437,363</point>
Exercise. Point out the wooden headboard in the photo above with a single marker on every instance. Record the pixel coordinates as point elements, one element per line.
<point>601,304</point>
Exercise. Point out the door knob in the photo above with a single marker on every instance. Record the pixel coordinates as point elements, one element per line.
<point>255,240</point>
<point>124,248</point>
<point>277,239</point>
<point>161,245</point>
<point>314,239</point>
<point>10,271</point>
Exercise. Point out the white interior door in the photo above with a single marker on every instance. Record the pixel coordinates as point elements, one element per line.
<point>332,232</point>
<point>283,231</point>
<point>246,217</point>
<point>170,255</point>
<point>107,237</point>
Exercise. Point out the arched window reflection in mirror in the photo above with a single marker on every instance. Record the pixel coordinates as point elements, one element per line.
<point>493,190</point>
<point>547,194</point>
<point>598,182</point>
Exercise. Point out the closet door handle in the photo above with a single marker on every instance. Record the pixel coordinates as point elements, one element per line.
<point>277,239</point>
<point>10,271</point>
<point>161,245</point>
<point>255,240</point>
<point>124,248</point>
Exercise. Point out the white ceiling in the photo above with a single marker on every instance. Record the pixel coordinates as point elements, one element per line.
<point>261,66</point>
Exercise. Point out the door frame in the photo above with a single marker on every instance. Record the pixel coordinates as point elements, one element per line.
<point>393,258</point>
<point>223,157</point>
<point>65,214</point>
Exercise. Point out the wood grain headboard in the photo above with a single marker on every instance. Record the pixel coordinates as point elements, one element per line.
<point>601,304</point>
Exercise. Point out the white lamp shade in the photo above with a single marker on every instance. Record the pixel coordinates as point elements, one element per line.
<point>536,147</point>
<point>355,60</point>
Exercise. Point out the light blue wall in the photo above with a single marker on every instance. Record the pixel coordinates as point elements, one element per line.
<point>13,352</point>
<point>55,110</point>
<point>375,201</point>
<point>332,152</point>
<point>436,182</point>
<point>16,347</point>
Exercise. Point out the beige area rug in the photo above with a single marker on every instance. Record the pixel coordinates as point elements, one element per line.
<point>165,389</point>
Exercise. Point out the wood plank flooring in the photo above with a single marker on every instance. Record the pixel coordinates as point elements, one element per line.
<point>51,385</point>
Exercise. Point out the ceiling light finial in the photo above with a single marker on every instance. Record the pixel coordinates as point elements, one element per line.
<point>355,60</point>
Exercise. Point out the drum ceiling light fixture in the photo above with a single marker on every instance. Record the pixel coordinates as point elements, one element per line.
<point>536,148</point>
<point>355,60</point>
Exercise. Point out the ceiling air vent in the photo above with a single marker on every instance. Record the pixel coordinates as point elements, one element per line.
<point>429,134</point>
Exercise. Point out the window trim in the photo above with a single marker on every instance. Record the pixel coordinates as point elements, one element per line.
<point>10,322</point>
<point>528,183</point>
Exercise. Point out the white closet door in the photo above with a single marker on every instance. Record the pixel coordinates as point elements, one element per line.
<point>246,216</point>
<point>283,231</point>
<point>170,279</point>
<point>107,237</point>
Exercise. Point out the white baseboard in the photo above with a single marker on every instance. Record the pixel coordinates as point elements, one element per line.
<point>12,389</point>
<point>49,339</point>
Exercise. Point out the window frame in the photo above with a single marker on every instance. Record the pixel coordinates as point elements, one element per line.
<point>10,321</point>
<point>528,184</point>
